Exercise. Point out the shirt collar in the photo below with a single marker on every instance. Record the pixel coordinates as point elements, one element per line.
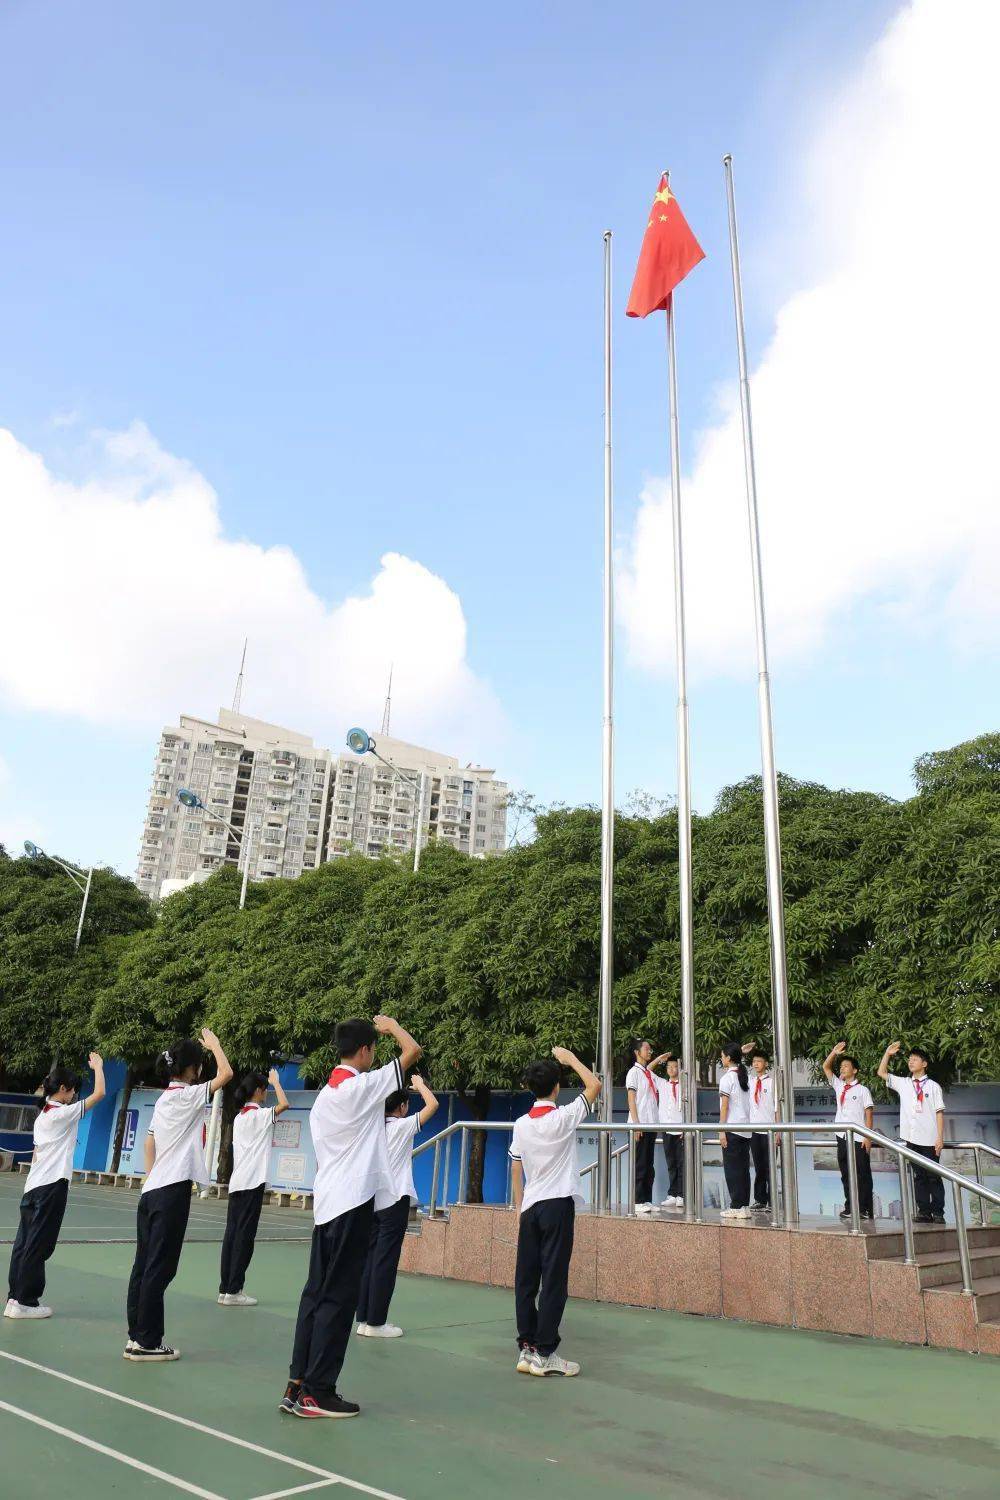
<point>348,1069</point>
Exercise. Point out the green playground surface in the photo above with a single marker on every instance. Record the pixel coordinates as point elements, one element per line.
<point>666,1406</point>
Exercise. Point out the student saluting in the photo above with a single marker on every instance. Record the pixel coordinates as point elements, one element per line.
<point>175,1158</point>
<point>854,1107</point>
<point>353,1181</point>
<point>546,1185</point>
<point>921,1125</point>
<point>672,1113</point>
<point>45,1192</point>
<point>643,1092</point>
<point>251,1143</point>
<point>760,1110</point>
<point>734,1096</point>
<point>385,1244</point>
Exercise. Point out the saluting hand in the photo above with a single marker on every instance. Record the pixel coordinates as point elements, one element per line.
<point>95,1061</point>
<point>272,1077</point>
<point>384,1025</point>
<point>840,1047</point>
<point>563,1055</point>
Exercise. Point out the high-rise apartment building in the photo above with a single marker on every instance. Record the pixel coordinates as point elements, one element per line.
<point>298,806</point>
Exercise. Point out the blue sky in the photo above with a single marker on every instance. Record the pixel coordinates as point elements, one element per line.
<point>344,263</point>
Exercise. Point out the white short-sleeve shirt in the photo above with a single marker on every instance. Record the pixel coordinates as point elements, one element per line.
<point>919,1102</point>
<point>671,1103</point>
<point>544,1142</point>
<point>347,1124</point>
<point>739,1102</point>
<point>852,1101</point>
<point>399,1138</point>
<point>761,1098</point>
<point>177,1127</point>
<point>54,1133</point>
<point>251,1147</point>
<point>647,1094</point>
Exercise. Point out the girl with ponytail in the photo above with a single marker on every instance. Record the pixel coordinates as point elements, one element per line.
<point>251,1142</point>
<point>47,1187</point>
<point>175,1158</point>
<point>734,1109</point>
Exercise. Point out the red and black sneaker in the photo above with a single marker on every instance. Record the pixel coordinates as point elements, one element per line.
<point>288,1400</point>
<point>325,1406</point>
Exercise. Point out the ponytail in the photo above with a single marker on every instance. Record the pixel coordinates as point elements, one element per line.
<point>733,1052</point>
<point>58,1078</point>
<point>248,1086</point>
<point>176,1059</point>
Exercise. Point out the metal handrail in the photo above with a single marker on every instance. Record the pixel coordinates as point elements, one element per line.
<point>701,1131</point>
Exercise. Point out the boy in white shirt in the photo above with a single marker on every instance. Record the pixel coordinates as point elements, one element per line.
<point>672,1113</point>
<point>43,1203</point>
<point>760,1108</point>
<point>385,1244</point>
<point>546,1186</point>
<point>353,1181</point>
<point>855,1106</point>
<point>643,1109</point>
<point>921,1126</point>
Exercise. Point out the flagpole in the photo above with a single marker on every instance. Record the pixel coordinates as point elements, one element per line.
<point>689,1075</point>
<point>769,775</point>
<point>605,1066</point>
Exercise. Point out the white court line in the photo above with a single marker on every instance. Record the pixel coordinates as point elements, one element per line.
<point>299,1489</point>
<point>123,1458</point>
<point>224,1437</point>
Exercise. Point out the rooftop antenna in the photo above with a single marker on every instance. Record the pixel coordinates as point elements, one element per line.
<point>239,681</point>
<point>388,704</point>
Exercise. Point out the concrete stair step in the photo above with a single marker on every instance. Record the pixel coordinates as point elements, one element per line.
<point>942,1267</point>
<point>987,1294</point>
<point>927,1238</point>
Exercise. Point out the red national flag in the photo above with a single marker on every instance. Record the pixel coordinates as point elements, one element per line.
<point>669,251</point>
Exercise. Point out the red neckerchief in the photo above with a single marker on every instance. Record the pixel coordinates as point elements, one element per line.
<point>673,1085</point>
<point>918,1084</point>
<point>757,1088</point>
<point>537,1110</point>
<point>47,1107</point>
<point>248,1107</point>
<point>847,1090</point>
<point>341,1075</point>
<point>650,1079</point>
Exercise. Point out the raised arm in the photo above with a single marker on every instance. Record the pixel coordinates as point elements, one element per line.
<point>591,1082</point>
<point>883,1067</point>
<point>828,1065</point>
<point>661,1061</point>
<point>223,1072</point>
<point>280,1095</point>
<point>96,1063</point>
<point>430,1103</point>
<point>410,1052</point>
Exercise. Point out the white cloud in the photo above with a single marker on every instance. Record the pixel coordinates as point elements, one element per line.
<point>123,602</point>
<point>875,402</point>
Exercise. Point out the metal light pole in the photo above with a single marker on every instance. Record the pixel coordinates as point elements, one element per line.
<point>361,742</point>
<point>82,879</point>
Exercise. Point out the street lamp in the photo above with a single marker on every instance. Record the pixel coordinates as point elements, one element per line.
<point>191,800</point>
<point>80,878</point>
<point>361,742</point>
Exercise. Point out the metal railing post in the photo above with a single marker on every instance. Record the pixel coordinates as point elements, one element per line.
<point>963,1240</point>
<point>772,1172</point>
<point>906,1204</point>
<point>618,1181</point>
<point>688,1145</point>
<point>630,1200</point>
<point>435,1171</point>
<point>789,1182</point>
<point>698,1185</point>
<point>463,1166</point>
<point>852,1181</point>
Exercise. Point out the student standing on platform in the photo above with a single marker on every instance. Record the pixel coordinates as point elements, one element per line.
<point>353,1181</point>
<point>855,1106</point>
<point>921,1126</point>
<point>385,1243</point>
<point>175,1158</point>
<point>672,1113</point>
<point>47,1187</point>
<point>643,1109</point>
<point>734,1109</point>
<point>760,1110</point>
<point>546,1184</point>
<point>251,1144</point>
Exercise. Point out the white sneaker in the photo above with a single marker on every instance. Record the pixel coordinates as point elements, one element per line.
<point>678,1202</point>
<point>361,1329</point>
<point>742,1213</point>
<point>644,1208</point>
<point>19,1310</point>
<point>236,1299</point>
<point>381,1331</point>
<point>727,1213</point>
<point>553,1364</point>
<point>525,1359</point>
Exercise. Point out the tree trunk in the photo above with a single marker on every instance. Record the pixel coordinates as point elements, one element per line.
<point>129,1085</point>
<point>480,1108</point>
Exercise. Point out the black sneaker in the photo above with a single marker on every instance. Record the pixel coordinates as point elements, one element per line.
<point>923,1219</point>
<point>937,1218</point>
<point>159,1355</point>
<point>324,1406</point>
<point>287,1402</point>
<point>845,1213</point>
<point>866,1215</point>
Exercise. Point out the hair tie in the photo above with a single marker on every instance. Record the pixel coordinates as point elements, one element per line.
<point>168,1059</point>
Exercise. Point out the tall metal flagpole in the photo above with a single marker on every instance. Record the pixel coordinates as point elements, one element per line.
<point>689,1075</point>
<point>605,1049</point>
<point>769,775</point>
